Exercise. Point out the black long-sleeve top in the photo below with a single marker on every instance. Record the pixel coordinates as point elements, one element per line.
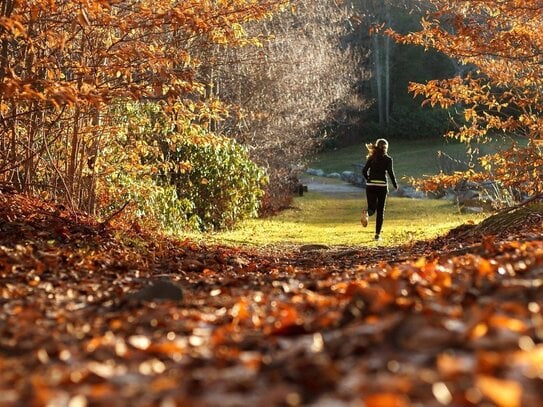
<point>376,169</point>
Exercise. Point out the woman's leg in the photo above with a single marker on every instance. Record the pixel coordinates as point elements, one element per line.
<point>372,197</point>
<point>380,207</point>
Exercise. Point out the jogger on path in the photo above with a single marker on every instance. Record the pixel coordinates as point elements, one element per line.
<point>378,165</point>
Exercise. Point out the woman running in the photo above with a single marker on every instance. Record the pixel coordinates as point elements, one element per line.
<point>379,163</point>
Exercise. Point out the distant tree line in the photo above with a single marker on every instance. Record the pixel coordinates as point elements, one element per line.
<point>103,102</point>
<point>389,109</point>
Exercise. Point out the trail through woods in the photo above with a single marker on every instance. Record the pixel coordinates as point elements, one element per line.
<point>104,315</point>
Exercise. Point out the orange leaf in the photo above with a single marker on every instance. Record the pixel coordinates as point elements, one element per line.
<point>83,18</point>
<point>505,393</point>
<point>485,268</point>
<point>386,400</point>
<point>241,311</point>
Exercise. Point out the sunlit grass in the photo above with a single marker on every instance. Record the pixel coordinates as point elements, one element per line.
<point>334,220</point>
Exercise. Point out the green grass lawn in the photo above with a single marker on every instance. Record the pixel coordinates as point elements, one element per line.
<point>412,158</point>
<point>334,219</point>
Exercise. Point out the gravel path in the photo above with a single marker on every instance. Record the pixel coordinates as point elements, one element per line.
<point>314,184</point>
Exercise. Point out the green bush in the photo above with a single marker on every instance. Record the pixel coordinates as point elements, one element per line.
<point>178,174</point>
<point>202,186</point>
<point>220,181</point>
<point>155,205</point>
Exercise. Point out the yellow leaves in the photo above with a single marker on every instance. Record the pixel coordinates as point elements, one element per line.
<point>14,26</point>
<point>505,393</point>
<point>439,181</point>
<point>502,41</point>
<point>4,108</point>
<point>239,31</point>
<point>470,113</point>
<point>493,11</point>
<point>122,57</point>
<point>219,37</point>
<point>527,119</point>
<point>435,93</point>
<point>184,166</point>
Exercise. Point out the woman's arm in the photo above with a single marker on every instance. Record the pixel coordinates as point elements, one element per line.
<point>365,170</point>
<point>390,171</point>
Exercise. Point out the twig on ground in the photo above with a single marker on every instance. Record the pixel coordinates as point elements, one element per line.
<point>105,223</point>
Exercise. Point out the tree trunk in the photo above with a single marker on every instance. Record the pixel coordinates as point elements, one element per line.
<point>7,146</point>
<point>378,73</point>
<point>73,162</point>
<point>90,206</point>
<point>388,51</point>
<point>13,157</point>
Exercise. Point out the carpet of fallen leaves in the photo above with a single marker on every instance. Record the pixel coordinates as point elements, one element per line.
<point>456,321</point>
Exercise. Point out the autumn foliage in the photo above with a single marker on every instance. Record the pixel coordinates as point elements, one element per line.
<point>499,90</point>
<point>65,66</point>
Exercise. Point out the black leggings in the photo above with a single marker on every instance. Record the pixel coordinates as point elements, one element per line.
<point>377,197</point>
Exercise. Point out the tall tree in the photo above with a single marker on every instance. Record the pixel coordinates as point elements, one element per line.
<point>393,112</point>
<point>64,64</point>
<point>502,43</point>
<point>289,88</point>
<point>378,13</point>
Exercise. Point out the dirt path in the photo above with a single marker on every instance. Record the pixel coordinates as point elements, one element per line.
<point>455,321</point>
<point>338,188</point>
<point>330,186</point>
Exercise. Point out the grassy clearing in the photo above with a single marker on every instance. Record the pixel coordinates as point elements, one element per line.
<point>412,158</point>
<point>334,219</point>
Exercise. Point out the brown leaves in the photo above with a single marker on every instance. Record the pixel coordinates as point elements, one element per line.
<point>262,328</point>
<point>74,63</point>
<point>106,39</point>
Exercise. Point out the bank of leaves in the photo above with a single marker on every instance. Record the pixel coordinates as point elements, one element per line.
<point>454,321</point>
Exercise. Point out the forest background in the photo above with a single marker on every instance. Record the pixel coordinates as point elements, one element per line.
<point>197,114</point>
<point>193,114</point>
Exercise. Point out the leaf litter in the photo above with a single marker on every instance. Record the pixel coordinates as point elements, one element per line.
<point>455,321</point>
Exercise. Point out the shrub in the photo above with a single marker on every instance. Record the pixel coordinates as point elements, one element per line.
<point>220,181</point>
<point>152,205</point>
<point>177,175</point>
